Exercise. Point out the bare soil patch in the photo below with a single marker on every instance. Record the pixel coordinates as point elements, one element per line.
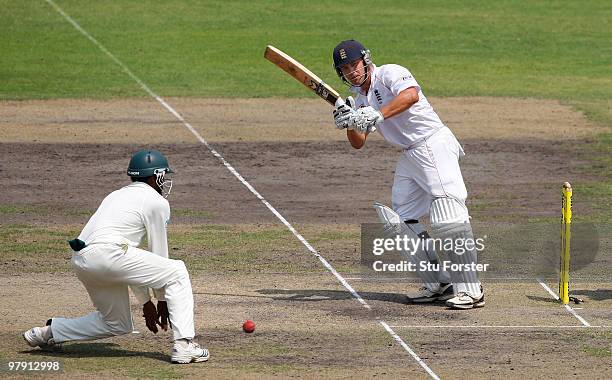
<point>218,120</point>
<point>322,182</point>
<point>70,153</point>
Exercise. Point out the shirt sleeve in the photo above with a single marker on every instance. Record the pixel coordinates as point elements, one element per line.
<point>156,219</point>
<point>397,78</point>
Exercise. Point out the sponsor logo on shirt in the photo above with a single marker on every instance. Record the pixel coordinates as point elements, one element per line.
<point>378,96</point>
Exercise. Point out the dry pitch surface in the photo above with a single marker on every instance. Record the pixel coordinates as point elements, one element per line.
<point>59,158</point>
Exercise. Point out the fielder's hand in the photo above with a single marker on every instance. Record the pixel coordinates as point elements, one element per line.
<point>366,120</point>
<point>345,113</point>
<point>163,314</point>
<point>149,312</point>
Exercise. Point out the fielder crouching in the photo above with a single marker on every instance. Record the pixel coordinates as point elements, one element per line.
<point>428,180</point>
<point>107,260</point>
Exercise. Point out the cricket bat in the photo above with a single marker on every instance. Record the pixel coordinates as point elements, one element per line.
<point>303,75</point>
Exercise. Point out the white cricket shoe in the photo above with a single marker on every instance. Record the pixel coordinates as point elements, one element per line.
<point>192,353</point>
<point>465,301</point>
<point>424,295</point>
<point>34,338</point>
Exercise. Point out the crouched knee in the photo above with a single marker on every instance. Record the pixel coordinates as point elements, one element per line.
<point>180,269</point>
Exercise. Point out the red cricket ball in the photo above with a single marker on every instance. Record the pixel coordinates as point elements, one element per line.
<point>248,326</point>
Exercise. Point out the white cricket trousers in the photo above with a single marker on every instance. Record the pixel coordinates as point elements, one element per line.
<point>428,171</point>
<point>106,270</point>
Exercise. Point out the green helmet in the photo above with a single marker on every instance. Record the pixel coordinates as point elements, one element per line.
<point>146,163</point>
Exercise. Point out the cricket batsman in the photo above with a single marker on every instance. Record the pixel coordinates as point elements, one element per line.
<point>428,180</point>
<point>107,260</point>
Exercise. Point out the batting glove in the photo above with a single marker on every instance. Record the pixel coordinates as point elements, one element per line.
<point>344,114</point>
<point>366,120</point>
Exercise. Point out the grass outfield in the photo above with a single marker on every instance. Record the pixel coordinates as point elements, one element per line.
<point>557,50</point>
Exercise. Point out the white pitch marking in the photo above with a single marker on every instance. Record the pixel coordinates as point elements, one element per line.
<point>410,351</point>
<point>584,322</point>
<point>229,167</point>
<point>415,280</point>
<point>568,307</point>
<point>498,327</point>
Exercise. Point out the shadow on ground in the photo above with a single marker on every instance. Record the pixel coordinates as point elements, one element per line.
<point>95,350</point>
<point>311,295</point>
<point>595,295</point>
<point>543,299</point>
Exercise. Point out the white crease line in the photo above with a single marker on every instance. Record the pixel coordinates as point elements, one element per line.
<point>416,280</point>
<point>229,167</point>
<point>407,348</point>
<point>584,322</point>
<point>497,327</point>
<point>568,307</point>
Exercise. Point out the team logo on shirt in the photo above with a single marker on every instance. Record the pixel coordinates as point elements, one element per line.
<point>378,96</point>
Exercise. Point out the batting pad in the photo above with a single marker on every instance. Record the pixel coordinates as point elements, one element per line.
<point>394,226</point>
<point>450,225</point>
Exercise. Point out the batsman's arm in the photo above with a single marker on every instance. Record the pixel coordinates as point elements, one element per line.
<point>356,139</point>
<point>400,103</point>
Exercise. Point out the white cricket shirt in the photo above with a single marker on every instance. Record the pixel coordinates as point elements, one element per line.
<point>409,127</point>
<point>126,215</point>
